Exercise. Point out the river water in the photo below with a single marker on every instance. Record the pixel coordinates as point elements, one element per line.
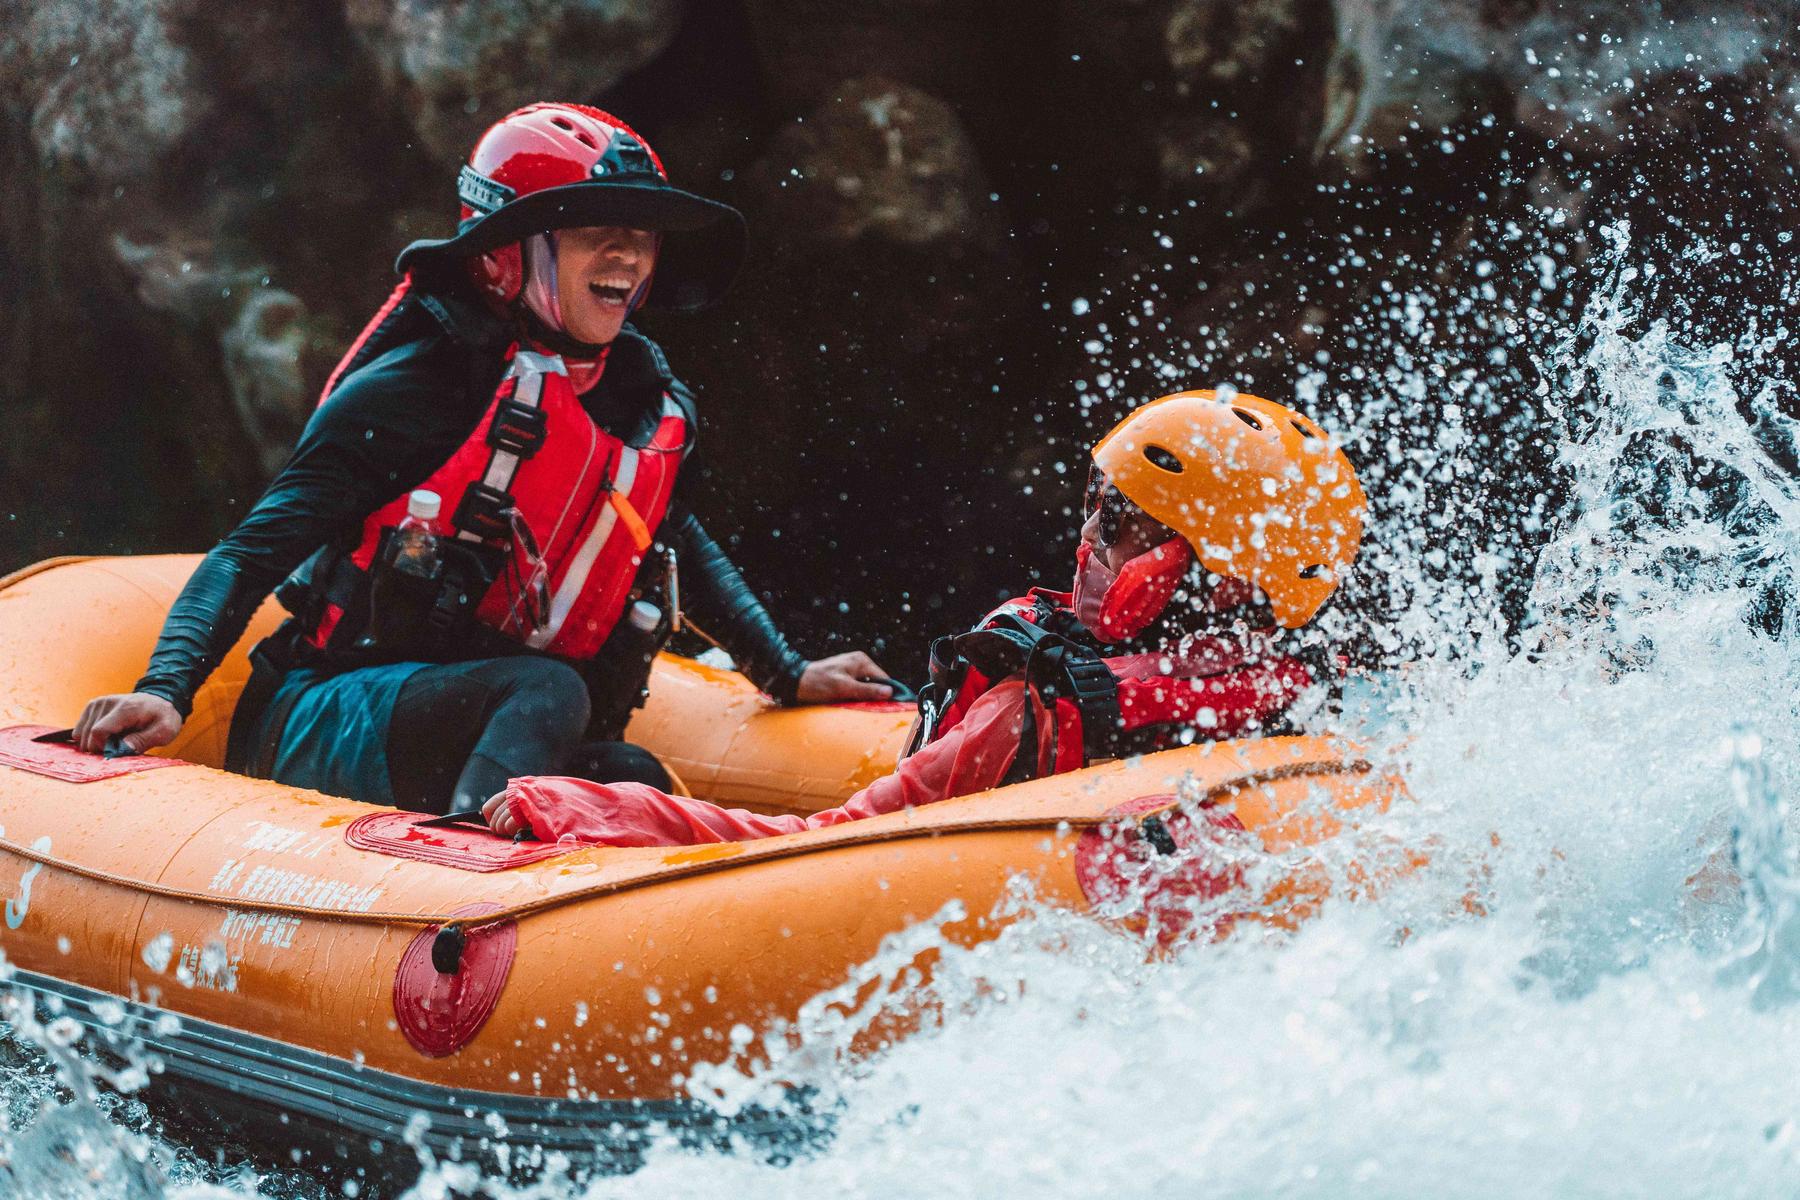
<point>1591,990</point>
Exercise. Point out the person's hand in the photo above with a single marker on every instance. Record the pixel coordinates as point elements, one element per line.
<point>842,678</point>
<point>498,813</point>
<point>144,721</point>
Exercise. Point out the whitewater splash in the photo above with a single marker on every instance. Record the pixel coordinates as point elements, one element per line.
<point>1573,998</point>
<point>1590,991</point>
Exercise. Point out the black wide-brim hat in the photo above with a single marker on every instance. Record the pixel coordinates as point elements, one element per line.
<point>702,247</point>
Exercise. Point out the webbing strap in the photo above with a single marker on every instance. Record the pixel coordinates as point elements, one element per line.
<point>528,370</point>
<point>790,849</point>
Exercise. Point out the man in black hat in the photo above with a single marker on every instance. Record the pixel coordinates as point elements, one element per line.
<point>481,527</point>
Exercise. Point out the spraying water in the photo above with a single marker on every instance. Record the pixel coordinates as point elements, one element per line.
<point>1589,989</point>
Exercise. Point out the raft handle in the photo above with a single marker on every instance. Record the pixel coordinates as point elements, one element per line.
<point>475,820</point>
<point>468,817</point>
<point>115,745</point>
<point>447,949</point>
<point>1152,830</point>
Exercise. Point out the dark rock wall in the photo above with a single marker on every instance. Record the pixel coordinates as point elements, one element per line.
<point>981,232</point>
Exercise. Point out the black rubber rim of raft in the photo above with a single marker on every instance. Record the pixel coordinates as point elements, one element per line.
<point>337,1098</point>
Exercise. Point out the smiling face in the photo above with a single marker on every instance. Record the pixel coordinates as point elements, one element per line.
<point>598,268</point>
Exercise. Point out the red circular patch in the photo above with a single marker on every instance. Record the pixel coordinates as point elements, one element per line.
<point>1116,864</point>
<point>439,1013</point>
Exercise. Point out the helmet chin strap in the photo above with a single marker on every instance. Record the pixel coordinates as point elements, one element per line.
<point>560,343</point>
<point>537,307</point>
<point>642,291</point>
<point>539,292</point>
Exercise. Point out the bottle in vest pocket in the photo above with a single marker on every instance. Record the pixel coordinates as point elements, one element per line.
<point>619,676</point>
<point>407,574</point>
<point>417,546</point>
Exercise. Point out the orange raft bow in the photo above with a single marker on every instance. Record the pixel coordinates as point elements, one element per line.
<point>340,962</point>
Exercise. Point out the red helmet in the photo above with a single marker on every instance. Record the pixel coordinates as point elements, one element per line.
<point>555,166</point>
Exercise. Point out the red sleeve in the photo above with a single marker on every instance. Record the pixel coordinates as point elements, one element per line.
<point>632,814</point>
<point>1237,699</point>
<point>974,686</point>
<point>972,757</point>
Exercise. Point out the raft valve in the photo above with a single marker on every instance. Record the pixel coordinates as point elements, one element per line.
<point>1153,831</point>
<point>447,949</point>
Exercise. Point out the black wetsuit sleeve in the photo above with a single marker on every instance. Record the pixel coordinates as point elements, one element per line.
<point>382,433</point>
<point>722,604</point>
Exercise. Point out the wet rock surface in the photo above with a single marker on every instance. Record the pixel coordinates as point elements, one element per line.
<point>880,160</point>
<point>461,64</point>
<point>980,232</point>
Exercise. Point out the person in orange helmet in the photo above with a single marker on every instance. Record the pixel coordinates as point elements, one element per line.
<point>1215,527</point>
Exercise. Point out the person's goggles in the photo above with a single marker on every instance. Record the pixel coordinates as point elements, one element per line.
<point>1113,506</point>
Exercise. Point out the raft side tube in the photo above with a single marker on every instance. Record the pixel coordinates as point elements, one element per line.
<point>240,902</point>
<point>691,940</point>
<point>75,628</point>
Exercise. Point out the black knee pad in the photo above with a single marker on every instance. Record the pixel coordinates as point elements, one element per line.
<point>619,762</point>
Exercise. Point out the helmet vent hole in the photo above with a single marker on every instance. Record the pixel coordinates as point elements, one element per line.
<point>1248,419</point>
<point>1158,456</point>
<point>1312,572</point>
<point>587,141</point>
<point>1304,431</point>
<point>562,122</point>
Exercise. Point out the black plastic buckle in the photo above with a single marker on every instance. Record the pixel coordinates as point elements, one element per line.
<point>1096,693</point>
<point>447,610</point>
<point>517,429</point>
<point>1091,680</point>
<point>483,511</point>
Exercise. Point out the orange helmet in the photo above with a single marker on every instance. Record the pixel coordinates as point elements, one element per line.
<point>1259,491</point>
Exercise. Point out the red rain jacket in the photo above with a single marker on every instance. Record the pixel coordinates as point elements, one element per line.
<point>971,755</point>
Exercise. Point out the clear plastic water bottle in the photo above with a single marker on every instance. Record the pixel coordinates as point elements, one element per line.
<point>417,549</point>
<point>398,598</point>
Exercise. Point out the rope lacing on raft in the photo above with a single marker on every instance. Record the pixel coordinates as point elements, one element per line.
<point>452,923</point>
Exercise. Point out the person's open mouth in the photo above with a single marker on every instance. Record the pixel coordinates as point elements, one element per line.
<point>612,291</point>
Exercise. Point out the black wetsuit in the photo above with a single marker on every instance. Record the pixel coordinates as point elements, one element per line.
<point>387,426</point>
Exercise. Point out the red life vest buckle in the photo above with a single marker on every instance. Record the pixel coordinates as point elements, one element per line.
<point>518,429</point>
<point>483,512</point>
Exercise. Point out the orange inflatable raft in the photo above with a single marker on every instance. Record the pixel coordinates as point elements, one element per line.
<point>335,961</point>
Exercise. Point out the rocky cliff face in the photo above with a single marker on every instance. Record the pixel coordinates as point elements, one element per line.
<point>981,231</point>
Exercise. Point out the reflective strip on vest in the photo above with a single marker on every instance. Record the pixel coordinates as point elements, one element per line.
<point>606,529</point>
<point>529,368</point>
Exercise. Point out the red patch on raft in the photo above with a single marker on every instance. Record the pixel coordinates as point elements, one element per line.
<point>466,847</point>
<point>59,760</point>
<point>439,1013</point>
<point>1119,862</point>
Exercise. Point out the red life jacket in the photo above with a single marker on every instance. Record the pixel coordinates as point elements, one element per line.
<point>1213,688</point>
<point>568,509</point>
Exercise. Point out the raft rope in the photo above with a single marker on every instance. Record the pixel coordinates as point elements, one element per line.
<point>453,924</point>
